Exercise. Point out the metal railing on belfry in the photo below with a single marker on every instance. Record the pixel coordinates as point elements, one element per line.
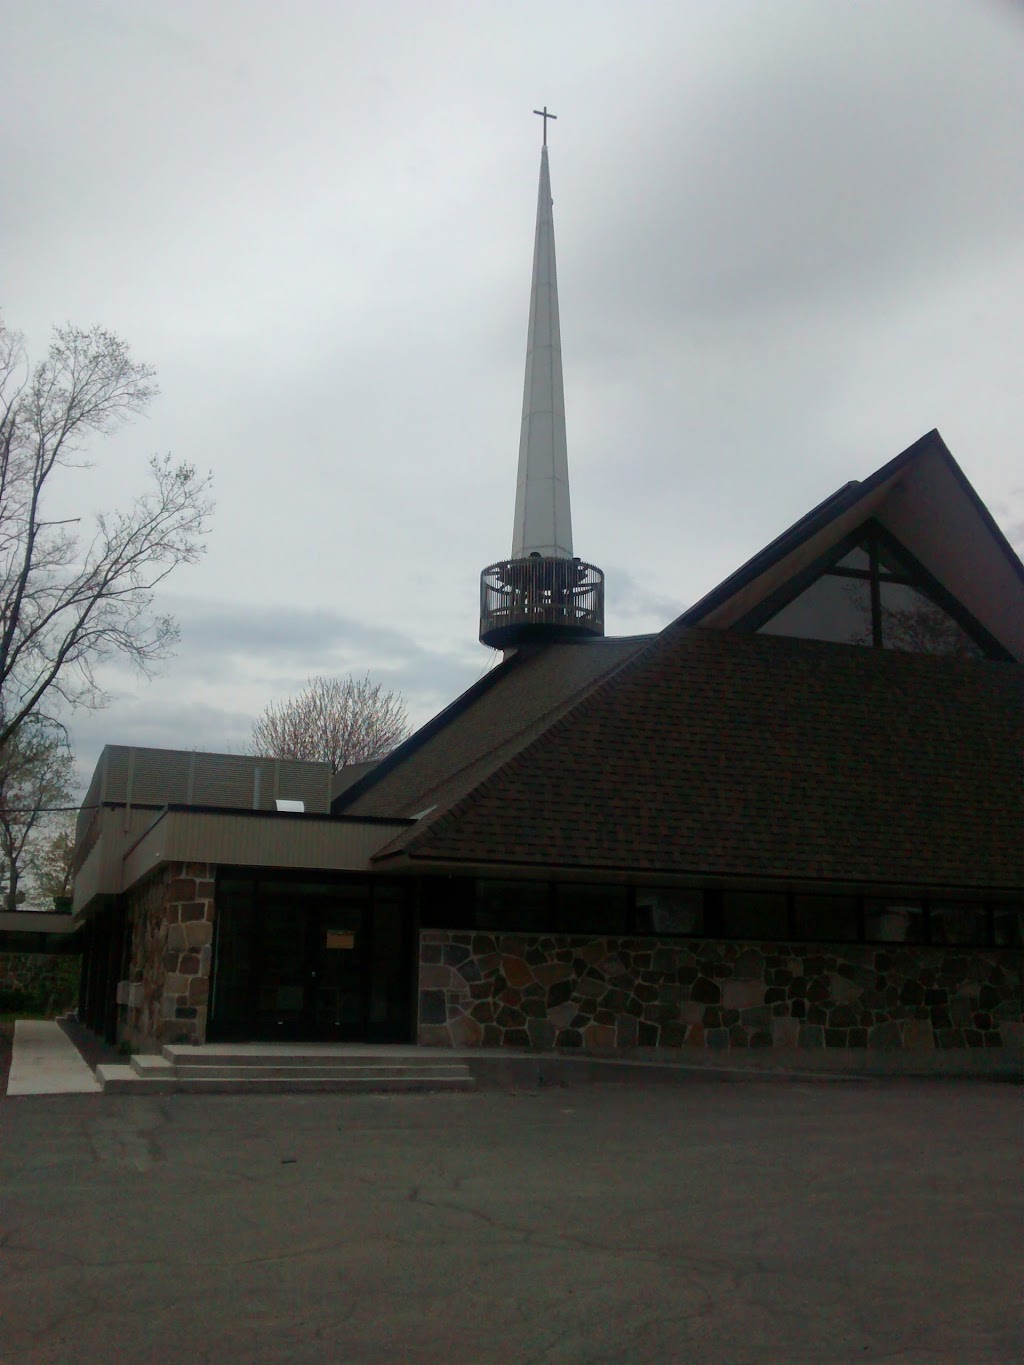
<point>540,594</point>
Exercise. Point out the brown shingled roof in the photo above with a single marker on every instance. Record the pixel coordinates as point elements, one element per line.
<point>726,753</point>
<point>485,726</point>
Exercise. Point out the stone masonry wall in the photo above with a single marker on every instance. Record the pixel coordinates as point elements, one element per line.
<point>47,981</point>
<point>606,995</point>
<point>166,996</point>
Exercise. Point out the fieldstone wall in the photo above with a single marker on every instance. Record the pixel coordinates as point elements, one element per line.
<point>607,995</point>
<point>47,981</point>
<point>166,997</point>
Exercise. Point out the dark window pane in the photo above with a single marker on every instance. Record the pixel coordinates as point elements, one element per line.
<point>893,921</point>
<point>857,558</point>
<point>284,980</point>
<point>913,623</point>
<point>754,914</point>
<point>388,971</point>
<point>958,922</point>
<point>591,909</point>
<point>669,910</point>
<point>446,902</point>
<point>825,918</point>
<point>390,893</point>
<point>234,886</point>
<point>512,905</point>
<point>890,564</point>
<point>1008,922</point>
<point>233,952</point>
<point>831,608</point>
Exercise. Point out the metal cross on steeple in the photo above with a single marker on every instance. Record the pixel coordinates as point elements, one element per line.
<point>545,116</point>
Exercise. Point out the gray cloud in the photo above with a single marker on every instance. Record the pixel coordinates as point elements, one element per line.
<point>790,241</point>
<point>234,659</point>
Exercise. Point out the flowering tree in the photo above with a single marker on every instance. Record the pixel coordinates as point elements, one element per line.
<point>333,720</point>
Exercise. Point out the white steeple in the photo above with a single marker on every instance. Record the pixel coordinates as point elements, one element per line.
<point>543,593</point>
<point>543,524</point>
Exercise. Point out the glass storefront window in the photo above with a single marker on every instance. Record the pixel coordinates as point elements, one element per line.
<point>669,910</point>
<point>591,909</point>
<point>754,914</point>
<point>1008,922</point>
<point>512,905</point>
<point>957,922</point>
<point>232,971</point>
<point>893,921</point>
<point>447,902</point>
<point>828,918</point>
<point>297,959</point>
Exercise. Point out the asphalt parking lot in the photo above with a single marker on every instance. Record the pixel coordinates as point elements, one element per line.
<point>705,1222</point>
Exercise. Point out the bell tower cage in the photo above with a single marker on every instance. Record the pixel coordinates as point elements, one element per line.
<point>540,596</point>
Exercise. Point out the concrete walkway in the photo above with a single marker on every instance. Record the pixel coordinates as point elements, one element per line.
<point>45,1062</point>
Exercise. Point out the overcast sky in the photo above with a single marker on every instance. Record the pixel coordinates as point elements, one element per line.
<point>790,240</point>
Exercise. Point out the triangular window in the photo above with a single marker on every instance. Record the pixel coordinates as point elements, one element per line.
<point>872,592</point>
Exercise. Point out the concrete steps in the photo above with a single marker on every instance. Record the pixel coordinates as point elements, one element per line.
<point>242,1069</point>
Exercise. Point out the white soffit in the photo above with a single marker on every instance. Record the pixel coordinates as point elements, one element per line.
<point>932,514</point>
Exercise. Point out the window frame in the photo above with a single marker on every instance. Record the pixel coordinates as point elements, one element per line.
<point>714,924</point>
<point>873,537</point>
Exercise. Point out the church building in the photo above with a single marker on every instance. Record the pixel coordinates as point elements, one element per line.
<point>791,822</point>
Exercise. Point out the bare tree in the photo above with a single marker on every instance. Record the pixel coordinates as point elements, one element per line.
<point>51,861</point>
<point>333,720</point>
<point>36,776</point>
<point>72,599</point>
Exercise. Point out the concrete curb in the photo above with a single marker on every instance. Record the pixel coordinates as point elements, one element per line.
<point>495,1070</point>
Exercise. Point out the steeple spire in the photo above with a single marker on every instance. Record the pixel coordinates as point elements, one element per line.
<point>543,592</point>
<point>543,523</point>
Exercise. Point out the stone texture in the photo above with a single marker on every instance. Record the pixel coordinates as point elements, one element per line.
<point>465,1031</point>
<point>785,1032</point>
<point>198,933</point>
<point>740,995</point>
<point>171,918</point>
<point>43,983</point>
<point>605,993</point>
<point>918,1035</point>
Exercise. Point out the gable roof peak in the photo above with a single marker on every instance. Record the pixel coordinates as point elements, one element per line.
<point>921,497</point>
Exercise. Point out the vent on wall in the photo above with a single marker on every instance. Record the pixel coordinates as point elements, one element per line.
<point>296,807</point>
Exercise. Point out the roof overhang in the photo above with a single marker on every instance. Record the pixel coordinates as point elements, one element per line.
<point>742,878</point>
<point>36,922</point>
<point>131,844</point>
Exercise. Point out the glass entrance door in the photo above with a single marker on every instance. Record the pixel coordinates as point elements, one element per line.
<point>341,964</point>
<point>286,982</point>
<point>296,960</point>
